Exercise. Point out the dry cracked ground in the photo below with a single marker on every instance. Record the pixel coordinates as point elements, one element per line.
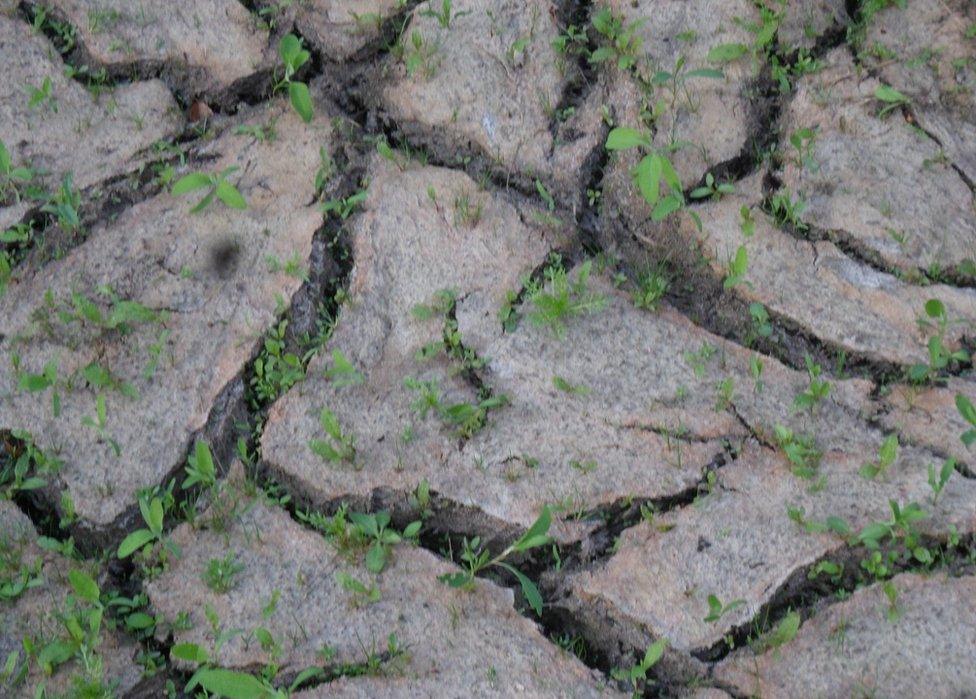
<point>547,348</point>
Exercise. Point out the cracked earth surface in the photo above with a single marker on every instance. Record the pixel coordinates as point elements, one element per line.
<point>493,348</point>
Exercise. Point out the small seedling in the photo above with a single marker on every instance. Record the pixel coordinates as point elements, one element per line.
<point>738,266</point>
<point>362,593</point>
<point>786,211</point>
<point>783,633</point>
<point>41,96</point>
<point>445,14</point>
<point>893,613</point>
<point>221,573</point>
<point>638,672</point>
<point>342,372</point>
<point>477,559</point>
<point>624,42</point>
<point>652,172</point>
<point>152,515</point>
<point>11,178</point>
<point>342,446</point>
<point>711,189</point>
<point>803,141</point>
<point>817,389</point>
<point>716,610</point>
<point>747,224</point>
<point>800,450</point>
<point>64,205</point>
<point>374,528</point>
<point>887,454</point>
<point>216,185</point>
<point>200,469</point>
<point>938,481</point>
<point>890,98</point>
<point>651,288</point>
<point>567,387</point>
<point>558,299</point>
<point>294,57</point>
<point>968,412</point>
<point>420,56</point>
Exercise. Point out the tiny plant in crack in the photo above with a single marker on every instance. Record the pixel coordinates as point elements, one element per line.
<point>216,185</point>
<point>653,172</point>
<point>445,15</point>
<point>294,57</point>
<point>221,573</point>
<point>716,609</point>
<point>636,675</point>
<point>624,44</point>
<point>890,100</point>
<point>340,447</point>
<point>817,388</point>
<point>968,412</point>
<point>559,298</point>
<point>940,357</point>
<point>887,453</point>
<point>475,558</point>
<point>12,178</point>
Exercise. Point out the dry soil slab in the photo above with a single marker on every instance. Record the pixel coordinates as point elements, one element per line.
<point>206,47</point>
<point>34,616</point>
<point>813,285</point>
<point>454,641</point>
<point>876,183</point>
<point>656,400</point>
<point>739,543</point>
<point>926,647</point>
<point>490,85</point>
<point>206,293</point>
<point>71,131</point>
<point>926,53</point>
<point>340,29</point>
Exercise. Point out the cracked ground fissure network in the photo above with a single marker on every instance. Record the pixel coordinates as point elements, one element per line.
<point>694,280</point>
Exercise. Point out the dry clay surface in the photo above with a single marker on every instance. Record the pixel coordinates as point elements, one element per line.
<point>691,286</point>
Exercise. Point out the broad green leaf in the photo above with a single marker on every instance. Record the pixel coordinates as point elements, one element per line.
<point>725,53</point>
<point>649,178</point>
<point>84,585</point>
<point>889,94</point>
<point>301,100</point>
<point>653,653</point>
<point>230,195</point>
<point>666,207</point>
<point>230,684</point>
<point>934,308</point>
<point>529,589</point>
<point>705,73</point>
<point>966,409</point>
<point>188,183</point>
<point>536,534</point>
<point>376,558</point>
<point>455,579</point>
<point>623,138</point>
<point>135,541</point>
<point>784,632</point>
<point>155,520</point>
<point>190,652</point>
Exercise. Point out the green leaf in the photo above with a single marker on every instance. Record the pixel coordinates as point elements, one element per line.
<point>230,195</point>
<point>653,653</point>
<point>889,94</point>
<point>666,207</point>
<point>135,541</point>
<point>84,585</point>
<point>648,175</point>
<point>155,520</point>
<point>934,308</point>
<point>784,632</point>
<point>726,53</point>
<point>230,684</point>
<point>376,558</point>
<point>189,652</point>
<point>705,73</point>
<point>529,589</point>
<point>966,409</point>
<point>188,183</point>
<point>301,100</point>
<point>455,579</point>
<point>537,534</point>
<point>624,138</point>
